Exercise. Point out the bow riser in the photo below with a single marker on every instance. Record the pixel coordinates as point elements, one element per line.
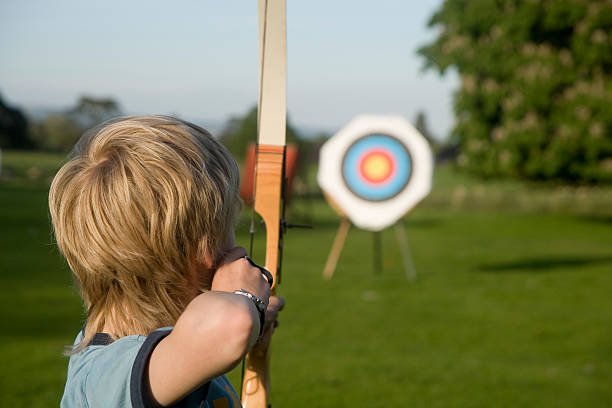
<point>268,183</point>
<point>268,186</point>
<point>269,171</point>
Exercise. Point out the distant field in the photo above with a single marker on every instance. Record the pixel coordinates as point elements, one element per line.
<point>511,308</point>
<point>29,167</point>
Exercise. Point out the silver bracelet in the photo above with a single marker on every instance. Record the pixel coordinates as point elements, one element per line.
<point>259,305</point>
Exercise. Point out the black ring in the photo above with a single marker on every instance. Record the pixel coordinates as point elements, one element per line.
<point>266,273</point>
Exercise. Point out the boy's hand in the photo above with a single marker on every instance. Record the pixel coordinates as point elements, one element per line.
<point>215,331</point>
<point>236,272</point>
<point>276,305</point>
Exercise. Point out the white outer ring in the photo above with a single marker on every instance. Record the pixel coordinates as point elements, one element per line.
<point>376,215</point>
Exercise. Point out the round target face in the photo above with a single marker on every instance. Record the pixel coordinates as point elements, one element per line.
<point>376,167</point>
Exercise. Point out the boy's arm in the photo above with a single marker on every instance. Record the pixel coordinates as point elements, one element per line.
<point>213,334</point>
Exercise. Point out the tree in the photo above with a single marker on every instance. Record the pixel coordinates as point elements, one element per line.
<point>239,132</point>
<point>60,131</point>
<point>57,132</point>
<point>420,123</point>
<point>90,111</point>
<point>536,85</point>
<point>13,128</point>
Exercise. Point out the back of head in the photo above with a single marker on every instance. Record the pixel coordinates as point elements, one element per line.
<point>138,202</point>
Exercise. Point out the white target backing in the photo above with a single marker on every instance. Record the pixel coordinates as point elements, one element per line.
<point>376,169</point>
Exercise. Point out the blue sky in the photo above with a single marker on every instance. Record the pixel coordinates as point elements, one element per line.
<point>198,59</point>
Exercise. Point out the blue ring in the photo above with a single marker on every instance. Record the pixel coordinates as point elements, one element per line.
<point>388,189</point>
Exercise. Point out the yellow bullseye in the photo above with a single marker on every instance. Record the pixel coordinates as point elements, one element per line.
<point>376,167</point>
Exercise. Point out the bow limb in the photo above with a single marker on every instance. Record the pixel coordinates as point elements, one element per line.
<point>269,171</point>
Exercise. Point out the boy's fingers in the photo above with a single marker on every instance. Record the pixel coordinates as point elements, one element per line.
<point>277,302</point>
<point>234,254</point>
<point>266,273</point>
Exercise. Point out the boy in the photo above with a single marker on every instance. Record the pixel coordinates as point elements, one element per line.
<point>144,212</point>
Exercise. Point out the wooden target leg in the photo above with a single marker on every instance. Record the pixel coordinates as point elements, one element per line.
<point>334,254</point>
<point>400,233</point>
<point>377,252</point>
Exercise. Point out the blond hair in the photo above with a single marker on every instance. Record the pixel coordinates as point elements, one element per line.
<point>138,202</point>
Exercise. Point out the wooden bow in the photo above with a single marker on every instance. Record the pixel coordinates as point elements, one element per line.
<point>269,171</point>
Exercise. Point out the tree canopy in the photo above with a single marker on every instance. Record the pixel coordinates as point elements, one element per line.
<point>59,131</point>
<point>240,131</point>
<point>536,85</point>
<point>13,128</point>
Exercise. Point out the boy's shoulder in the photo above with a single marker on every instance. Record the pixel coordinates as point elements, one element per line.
<point>109,373</point>
<point>105,373</point>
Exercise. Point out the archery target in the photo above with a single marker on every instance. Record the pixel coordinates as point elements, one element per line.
<point>375,170</point>
<point>376,167</point>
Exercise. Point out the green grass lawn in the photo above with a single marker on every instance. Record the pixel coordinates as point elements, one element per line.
<point>511,307</point>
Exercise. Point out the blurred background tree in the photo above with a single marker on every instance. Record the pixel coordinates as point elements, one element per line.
<point>422,125</point>
<point>56,132</point>
<point>59,131</point>
<point>13,128</point>
<point>240,131</point>
<point>536,85</point>
<point>89,111</point>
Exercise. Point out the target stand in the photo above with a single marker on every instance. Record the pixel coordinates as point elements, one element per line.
<point>340,239</point>
<point>373,172</point>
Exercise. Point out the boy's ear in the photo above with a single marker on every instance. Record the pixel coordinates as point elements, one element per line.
<point>205,262</point>
<point>202,257</point>
<point>204,272</point>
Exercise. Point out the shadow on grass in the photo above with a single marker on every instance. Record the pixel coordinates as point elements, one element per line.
<point>422,222</point>
<point>544,264</point>
<point>599,219</point>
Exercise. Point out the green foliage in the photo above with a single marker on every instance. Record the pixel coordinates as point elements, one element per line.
<point>241,131</point>
<point>90,111</point>
<point>59,131</point>
<point>511,308</point>
<point>536,85</point>
<point>421,124</point>
<point>13,128</point>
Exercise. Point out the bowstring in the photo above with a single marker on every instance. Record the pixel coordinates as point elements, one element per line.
<point>252,229</point>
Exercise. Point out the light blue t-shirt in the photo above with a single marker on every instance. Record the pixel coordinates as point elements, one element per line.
<point>110,374</point>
